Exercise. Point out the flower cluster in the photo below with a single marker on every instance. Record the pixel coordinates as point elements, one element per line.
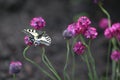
<point>115,55</point>
<point>78,31</point>
<point>82,26</point>
<point>113,31</point>
<point>15,67</point>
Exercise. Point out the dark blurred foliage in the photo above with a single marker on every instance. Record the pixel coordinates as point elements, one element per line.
<point>15,15</point>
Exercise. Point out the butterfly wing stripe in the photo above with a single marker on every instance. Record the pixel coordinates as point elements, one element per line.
<point>32,32</point>
<point>45,41</point>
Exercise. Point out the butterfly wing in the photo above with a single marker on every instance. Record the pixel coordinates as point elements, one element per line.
<point>44,39</point>
<point>31,32</point>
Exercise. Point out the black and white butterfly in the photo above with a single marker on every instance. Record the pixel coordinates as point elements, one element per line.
<point>38,37</point>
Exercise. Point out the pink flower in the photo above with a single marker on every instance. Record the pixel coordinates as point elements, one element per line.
<point>103,23</point>
<point>113,31</point>
<point>115,55</point>
<point>82,24</point>
<point>84,21</point>
<point>28,40</point>
<point>91,33</point>
<point>116,30</point>
<point>37,23</point>
<point>15,67</point>
<point>79,48</point>
<point>108,33</point>
<point>79,29</point>
<point>71,28</point>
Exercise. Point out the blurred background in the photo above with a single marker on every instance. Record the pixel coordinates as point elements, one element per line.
<point>15,15</point>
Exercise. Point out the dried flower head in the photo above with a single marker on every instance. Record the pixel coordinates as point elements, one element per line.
<point>91,33</point>
<point>15,67</point>
<point>115,55</point>
<point>67,34</point>
<point>37,23</point>
<point>79,48</point>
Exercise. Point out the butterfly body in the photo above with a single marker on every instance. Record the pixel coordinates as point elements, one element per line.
<point>38,38</point>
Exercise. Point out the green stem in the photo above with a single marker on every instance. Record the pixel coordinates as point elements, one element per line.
<point>73,58</point>
<point>14,77</point>
<point>113,70</point>
<point>47,64</point>
<point>89,69</point>
<point>40,68</point>
<point>105,11</point>
<point>66,64</point>
<point>114,44</point>
<point>92,62</point>
<point>91,58</point>
<point>119,70</point>
<point>113,62</point>
<point>108,60</point>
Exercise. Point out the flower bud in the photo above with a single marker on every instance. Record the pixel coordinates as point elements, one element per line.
<point>15,67</point>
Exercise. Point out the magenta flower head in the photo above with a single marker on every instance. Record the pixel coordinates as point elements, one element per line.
<point>82,24</point>
<point>71,29</point>
<point>116,30</point>
<point>28,40</point>
<point>68,34</point>
<point>15,67</point>
<point>113,31</point>
<point>91,33</point>
<point>84,21</point>
<point>104,23</point>
<point>108,33</point>
<point>115,55</point>
<point>37,23</point>
<point>79,48</point>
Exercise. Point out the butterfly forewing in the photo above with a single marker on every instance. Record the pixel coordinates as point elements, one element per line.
<point>31,31</point>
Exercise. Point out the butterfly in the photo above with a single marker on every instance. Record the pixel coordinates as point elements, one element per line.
<point>38,37</point>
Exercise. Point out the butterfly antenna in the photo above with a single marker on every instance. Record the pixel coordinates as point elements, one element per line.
<point>24,31</point>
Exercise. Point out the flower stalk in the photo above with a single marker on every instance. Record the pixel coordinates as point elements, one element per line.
<point>48,64</point>
<point>92,62</point>
<point>66,76</point>
<point>14,77</point>
<point>113,42</point>
<point>40,68</point>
